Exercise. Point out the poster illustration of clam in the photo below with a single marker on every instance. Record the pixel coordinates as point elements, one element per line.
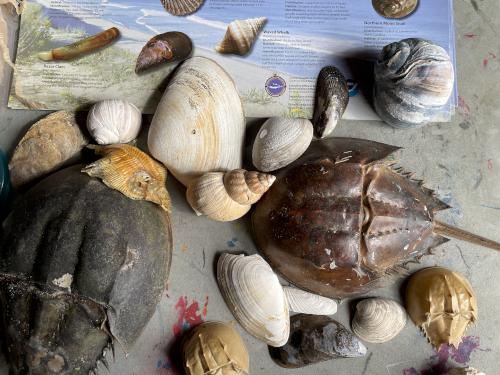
<point>275,73</point>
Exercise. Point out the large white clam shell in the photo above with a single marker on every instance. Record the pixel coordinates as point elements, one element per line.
<point>308,303</point>
<point>199,125</point>
<point>114,121</point>
<point>280,142</point>
<point>378,320</point>
<point>241,35</point>
<point>254,295</point>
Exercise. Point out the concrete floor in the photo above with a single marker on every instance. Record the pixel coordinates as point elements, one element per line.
<point>460,160</point>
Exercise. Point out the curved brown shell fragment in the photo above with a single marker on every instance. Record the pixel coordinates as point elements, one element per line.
<point>47,145</point>
<point>164,48</point>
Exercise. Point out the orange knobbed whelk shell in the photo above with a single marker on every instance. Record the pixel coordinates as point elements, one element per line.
<point>442,303</point>
<point>132,172</point>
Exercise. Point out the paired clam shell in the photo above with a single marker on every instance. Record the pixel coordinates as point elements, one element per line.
<point>114,121</point>
<point>442,303</point>
<point>332,98</point>
<point>182,7</point>
<point>241,35</point>
<point>215,348</point>
<point>378,320</point>
<point>414,80</point>
<point>395,8</point>
<point>280,142</point>
<point>199,125</point>
<point>227,196</point>
<point>47,145</point>
<point>132,172</point>
<point>164,48</point>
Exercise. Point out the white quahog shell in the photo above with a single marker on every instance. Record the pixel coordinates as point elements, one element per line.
<point>114,121</point>
<point>257,300</point>
<point>378,320</point>
<point>227,196</point>
<point>182,7</point>
<point>414,80</point>
<point>199,125</point>
<point>280,142</point>
<point>241,35</point>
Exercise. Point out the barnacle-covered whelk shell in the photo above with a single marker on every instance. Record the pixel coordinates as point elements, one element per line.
<point>241,35</point>
<point>395,8</point>
<point>215,348</point>
<point>182,7</point>
<point>378,320</point>
<point>414,80</point>
<point>332,98</point>
<point>442,303</point>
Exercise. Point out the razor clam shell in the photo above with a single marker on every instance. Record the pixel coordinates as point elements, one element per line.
<point>332,98</point>
<point>464,371</point>
<point>280,142</point>
<point>395,8</point>
<point>378,320</point>
<point>307,303</point>
<point>241,36</point>
<point>255,296</point>
<point>182,7</point>
<point>414,80</point>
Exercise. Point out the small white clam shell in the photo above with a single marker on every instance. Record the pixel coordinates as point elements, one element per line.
<point>308,303</point>
<point>280,142</point>
<point>114,121</point>
<point>255,296</point>
<point>378,320</point>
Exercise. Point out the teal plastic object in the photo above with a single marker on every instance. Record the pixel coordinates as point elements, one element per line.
<point>4,184</point>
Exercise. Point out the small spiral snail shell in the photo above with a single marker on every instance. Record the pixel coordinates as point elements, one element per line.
<point>240,36</point>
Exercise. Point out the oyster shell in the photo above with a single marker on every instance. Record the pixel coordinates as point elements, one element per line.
<point>395,8</point>
<point>182,7</point>
<point>281,141</point>
<point>47,145</point>
<point>442,303</point>
<point>199,125</point>
<point>315,339</point>
<point>378,320</point>
<point>132,172</point>
<point>227,196</point>
<point>114,121</point>
<point>164,48</point>
<point>241,35</point>
<point>215,348</point>
<point>414,80</point>
<point>332,98</point>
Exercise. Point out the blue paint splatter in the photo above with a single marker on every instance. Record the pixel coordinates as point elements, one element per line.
<point>492,207</point>
<point>232,243</point>
<point>158,364</point>
<point>455,212</point>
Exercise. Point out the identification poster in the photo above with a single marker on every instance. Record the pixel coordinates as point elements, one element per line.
<point>276,78</point>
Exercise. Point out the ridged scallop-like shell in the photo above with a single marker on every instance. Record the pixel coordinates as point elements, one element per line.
<point>280,142</point>
<point>442,303</point>
<point>47,145</point>
<point>308,303</point>
<point>241,35</point>
<point>215,348</point>
<point>395,8</point>
<point>199,125</point>
<point>254,295</point>
<point>227,196</point>
<point>414,80</point>
<point>114,121</point>
<point>132,172</point>
<point>332,98</point>
<point>182,7</point>
<point>378,320</point>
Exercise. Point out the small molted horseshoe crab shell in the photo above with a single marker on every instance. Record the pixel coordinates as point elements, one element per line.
<point>241,35</point>
<point>395,8</point>
<point>182,7</point>
<point>164,48</point>
<point>378,320</point>
<point>315,339</point>
<point>215,348</point>
<point>442,303</point>
<point>332,98</point>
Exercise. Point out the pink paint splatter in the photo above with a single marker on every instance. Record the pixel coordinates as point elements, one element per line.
<point>188,315</point>
<point>490,164</point>
<point>470,36</point>
<point>463,107</point>
<point>486,60</point>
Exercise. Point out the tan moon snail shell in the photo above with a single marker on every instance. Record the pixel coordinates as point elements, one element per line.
<point>257,300</point>
<point>241,36</point>
<point>395,8</point>
<point>114,121</point>
<point>215,348</point>
<point>281,141</point>
<point>182,7</point>
<point>414,80</point>
<point>378,320</point>
<point>199,124</point>
<point>47,145</point>
<point>227,196</point>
